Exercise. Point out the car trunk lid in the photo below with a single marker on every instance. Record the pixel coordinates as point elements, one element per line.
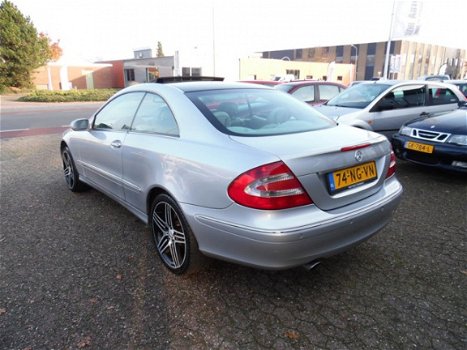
<point>336,166</point>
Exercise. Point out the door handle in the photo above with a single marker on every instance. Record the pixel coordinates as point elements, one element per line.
<point>116,144</point>
<point>424,114</point>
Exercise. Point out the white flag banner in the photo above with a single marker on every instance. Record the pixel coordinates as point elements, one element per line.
<point>407,18</point>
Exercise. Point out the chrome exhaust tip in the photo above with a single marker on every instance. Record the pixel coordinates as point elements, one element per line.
<point>311,265</point>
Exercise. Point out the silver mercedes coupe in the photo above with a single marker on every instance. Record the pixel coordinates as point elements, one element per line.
<point>234,171</point>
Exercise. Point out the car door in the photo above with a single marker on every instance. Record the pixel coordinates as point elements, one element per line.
<point>398,106</point>
<point>153,135</point>
<point>441,99</point>
<point>101,154</point>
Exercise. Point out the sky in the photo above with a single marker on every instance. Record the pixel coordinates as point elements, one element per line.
<point>112,29</point>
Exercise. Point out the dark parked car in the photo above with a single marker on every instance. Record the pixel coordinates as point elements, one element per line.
<point>439,141</point>
<point>313,92</point>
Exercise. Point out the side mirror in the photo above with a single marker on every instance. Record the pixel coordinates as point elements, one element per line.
<point>80,124</point>
<point>462,104</point>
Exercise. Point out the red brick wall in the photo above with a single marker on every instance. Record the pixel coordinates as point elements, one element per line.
<point>103,77</point>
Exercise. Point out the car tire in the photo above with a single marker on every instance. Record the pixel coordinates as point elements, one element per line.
<point>71,174</point>
<point>173,238</point>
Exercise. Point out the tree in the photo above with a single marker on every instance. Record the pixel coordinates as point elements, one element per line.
<point>160,52</point>
<point>55,50</point>
<point>22,49</point>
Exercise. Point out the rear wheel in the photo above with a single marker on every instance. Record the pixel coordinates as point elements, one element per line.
<point>175,243</point>
<point>70,173</point>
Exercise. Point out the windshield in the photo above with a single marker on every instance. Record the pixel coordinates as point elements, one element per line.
<point>257,112</point>
<point>358,96</point>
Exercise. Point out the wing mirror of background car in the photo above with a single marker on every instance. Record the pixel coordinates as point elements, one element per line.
<point>80,124</point>
<point>462,104</point>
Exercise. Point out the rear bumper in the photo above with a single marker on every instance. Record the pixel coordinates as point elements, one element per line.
<point>443,156</point>
<point>286,239</point>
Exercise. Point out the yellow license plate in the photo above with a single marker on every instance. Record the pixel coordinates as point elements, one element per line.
<point>349,177</point>
<point>419,147</point>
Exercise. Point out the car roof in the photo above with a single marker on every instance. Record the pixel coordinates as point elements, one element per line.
<point>213,85</point>
<point>190,86</point>
<point>305,82</point>
<point>408,82</point>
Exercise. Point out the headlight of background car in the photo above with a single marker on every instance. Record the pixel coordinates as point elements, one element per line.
<point>458,140</point>
<point>405,130</point>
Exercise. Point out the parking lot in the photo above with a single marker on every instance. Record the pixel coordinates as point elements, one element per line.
<point>79,271</point>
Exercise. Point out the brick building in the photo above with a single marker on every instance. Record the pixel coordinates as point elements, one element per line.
<point>409,59</point>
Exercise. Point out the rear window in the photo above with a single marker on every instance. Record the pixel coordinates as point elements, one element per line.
<point>262,112</point>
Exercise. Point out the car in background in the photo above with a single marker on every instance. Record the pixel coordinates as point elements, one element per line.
<point>270,83</point>
<point>313,92</point>
<point>439,141</point>
<point>435,77</point>
<point>239,172</point>
<point>384,105</point>
<point>461,85</point>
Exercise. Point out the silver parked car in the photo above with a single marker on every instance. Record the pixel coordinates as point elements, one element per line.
<point>383,106</point>
<point>238,172</point>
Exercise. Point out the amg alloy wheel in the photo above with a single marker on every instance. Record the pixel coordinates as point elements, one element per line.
<point>70,173</point>
<point>174,241</point>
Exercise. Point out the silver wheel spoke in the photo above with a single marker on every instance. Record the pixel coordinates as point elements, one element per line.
<point>179,237</point>
<point>68,171</point>
<point>164,243</point>
<point>160,223</point>
<point>168,216</point>
<point>174,253</point>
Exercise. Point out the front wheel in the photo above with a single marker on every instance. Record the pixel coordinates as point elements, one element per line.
<point>70,173</point>
<point>175,243</point>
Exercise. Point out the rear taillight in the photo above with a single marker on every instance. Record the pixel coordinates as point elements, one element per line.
<point>271,186</point>
<point>392,165</point>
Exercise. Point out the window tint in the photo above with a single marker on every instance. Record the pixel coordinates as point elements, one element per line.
<point>404,97</point>
<point>441,96</point>
<point>257,112</point>
<point>409,96</point>
<point>154,116</point>
<point>305,93</point>
<point>118,113</point>
<point>326,92</point>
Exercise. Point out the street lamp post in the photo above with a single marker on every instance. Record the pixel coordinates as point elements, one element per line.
<point>356,59</point>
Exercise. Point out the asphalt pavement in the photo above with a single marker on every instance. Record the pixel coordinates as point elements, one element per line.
<point>80,272</point>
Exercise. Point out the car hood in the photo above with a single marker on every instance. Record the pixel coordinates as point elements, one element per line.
<point>335,111</point>
<point>453,122</point>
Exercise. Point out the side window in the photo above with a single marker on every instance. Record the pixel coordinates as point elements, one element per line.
<point>305,93</point>
<point>406,97</point>
<point>155,116</point>
<point>118,113</point>
<point>326,92</point>
<point>441,96</point>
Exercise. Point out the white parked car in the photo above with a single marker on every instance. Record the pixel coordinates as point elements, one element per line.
<point>383,106</point>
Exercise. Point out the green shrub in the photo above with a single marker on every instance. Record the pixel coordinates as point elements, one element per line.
<point>68,96</point>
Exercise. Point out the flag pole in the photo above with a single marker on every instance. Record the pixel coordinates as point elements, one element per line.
<point>388,46</point>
